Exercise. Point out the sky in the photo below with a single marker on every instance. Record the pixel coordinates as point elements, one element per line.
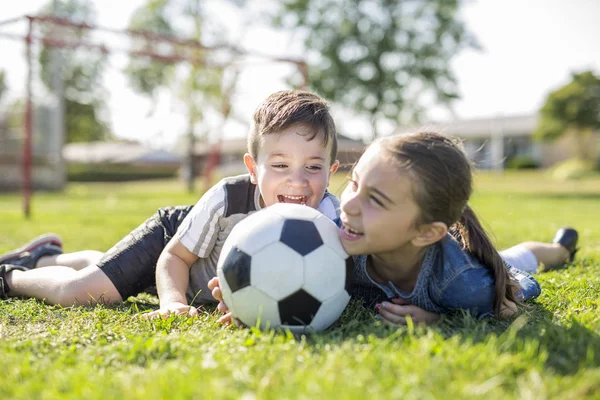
<point>529,48</point>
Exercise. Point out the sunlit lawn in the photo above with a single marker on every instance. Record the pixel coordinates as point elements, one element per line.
<point>551,351</point>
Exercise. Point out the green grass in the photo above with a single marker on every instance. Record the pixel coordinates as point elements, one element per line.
<point>551,351</point>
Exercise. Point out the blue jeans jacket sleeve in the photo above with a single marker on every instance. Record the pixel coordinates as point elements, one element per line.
<point>528,285</point>
<point>472,290</point>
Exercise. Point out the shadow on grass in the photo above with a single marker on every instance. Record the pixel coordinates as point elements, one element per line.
<point>568,346</point>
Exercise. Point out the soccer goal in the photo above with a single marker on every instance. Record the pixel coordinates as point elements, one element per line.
<point>44,105</point>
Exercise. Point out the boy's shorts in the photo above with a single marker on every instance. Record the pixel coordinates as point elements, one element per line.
<point>131,263</point>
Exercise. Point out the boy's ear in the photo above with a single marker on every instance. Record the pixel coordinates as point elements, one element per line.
<point>429,234</point>
<point>251,167</point>
<point>334,167</point>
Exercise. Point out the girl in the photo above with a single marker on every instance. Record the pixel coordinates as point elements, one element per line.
<point>405,210</point>
<point>405,218</point>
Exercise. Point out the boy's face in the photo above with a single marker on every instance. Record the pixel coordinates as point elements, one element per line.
<point>291,169</point>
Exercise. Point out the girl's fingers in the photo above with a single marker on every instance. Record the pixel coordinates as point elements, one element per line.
<point>400,301</point>
<point>391,317</point>
<point>398,309</point>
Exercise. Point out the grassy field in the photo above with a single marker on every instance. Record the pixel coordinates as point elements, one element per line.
<point>552,350</point>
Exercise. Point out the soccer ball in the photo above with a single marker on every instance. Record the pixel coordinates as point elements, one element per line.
<point>285,267</point>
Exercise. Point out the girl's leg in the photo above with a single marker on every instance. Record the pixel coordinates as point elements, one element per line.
<point>521,258</point>
<point>76,261</point>
<point>552,255</point>
<point>526,256</point>
<point>64,286</point>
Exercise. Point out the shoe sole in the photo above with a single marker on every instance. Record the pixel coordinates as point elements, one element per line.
<point>32,245</point>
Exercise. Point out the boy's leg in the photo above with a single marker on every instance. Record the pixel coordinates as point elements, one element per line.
<point>77,260</point>
<point>64,285</point>
<point>46,250</point>
<point>131,263</point>
<point>28,255</point>
<point>124,270</point>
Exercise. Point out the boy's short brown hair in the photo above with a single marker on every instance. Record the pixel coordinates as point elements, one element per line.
<point>290,107</point>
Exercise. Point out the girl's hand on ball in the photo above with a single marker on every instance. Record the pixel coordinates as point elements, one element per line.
<point>395,313</point>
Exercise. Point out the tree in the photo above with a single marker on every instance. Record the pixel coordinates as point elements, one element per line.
<point>81,73</point>
<point>3,86</point>
<point>200,86</point>
<point>380,57</point>
<point>572,109</point>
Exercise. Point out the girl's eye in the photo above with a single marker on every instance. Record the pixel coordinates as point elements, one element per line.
<point>376,201</point>
<point>314,167</point>
<point>279,166</point>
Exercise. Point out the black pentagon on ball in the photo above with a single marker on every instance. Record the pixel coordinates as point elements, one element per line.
<point>236,269</point>
<point>302,236</point>
<point>298,308</point>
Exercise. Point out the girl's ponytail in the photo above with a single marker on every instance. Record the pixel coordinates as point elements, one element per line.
<point>475,240</point>
<point>442,186</point>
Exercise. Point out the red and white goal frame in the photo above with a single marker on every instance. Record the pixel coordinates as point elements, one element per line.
<point>172,50</point>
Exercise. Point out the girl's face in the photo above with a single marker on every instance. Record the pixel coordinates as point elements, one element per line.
<point>378,211</point>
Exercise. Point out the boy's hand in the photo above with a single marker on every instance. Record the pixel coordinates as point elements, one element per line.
<point>172,308</point>
<point>395,313</point>
<point>213,285</point>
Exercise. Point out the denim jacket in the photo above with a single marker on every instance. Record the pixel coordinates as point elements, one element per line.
<point>450,279</point>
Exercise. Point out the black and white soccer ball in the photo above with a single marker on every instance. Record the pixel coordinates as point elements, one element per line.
<point>285,267</point>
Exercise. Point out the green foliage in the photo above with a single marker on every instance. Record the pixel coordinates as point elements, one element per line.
<point>82,76</point>
<point>201,85</point>
<point>380,57</point>
<point>573,169</point>
<point>522,162</point>
<point>117,172</point>
<point>551,351</point>
<point>575,105</point>
<point>3,85</point>
<point>83,124</point>
<point>146,75</point>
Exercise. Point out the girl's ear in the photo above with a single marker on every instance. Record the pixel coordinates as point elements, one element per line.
<point>429,234</point>
<point>251,167</point>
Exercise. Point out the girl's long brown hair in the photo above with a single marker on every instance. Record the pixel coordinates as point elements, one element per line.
<point>442,185</point>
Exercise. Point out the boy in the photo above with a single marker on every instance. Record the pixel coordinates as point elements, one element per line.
<point>291,158</point>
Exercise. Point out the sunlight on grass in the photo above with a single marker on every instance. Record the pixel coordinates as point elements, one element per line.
<point>551,351</point>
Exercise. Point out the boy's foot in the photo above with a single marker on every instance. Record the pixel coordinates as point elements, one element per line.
<point>5,269</point>
<point>567,237</point>
<point>28,255</point>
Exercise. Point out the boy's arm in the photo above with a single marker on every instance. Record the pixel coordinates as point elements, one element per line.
<point>172,278</point>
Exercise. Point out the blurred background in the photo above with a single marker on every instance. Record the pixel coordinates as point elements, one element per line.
<point>122,90</point>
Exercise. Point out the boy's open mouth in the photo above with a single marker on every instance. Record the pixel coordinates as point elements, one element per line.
<point>284,198</point>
